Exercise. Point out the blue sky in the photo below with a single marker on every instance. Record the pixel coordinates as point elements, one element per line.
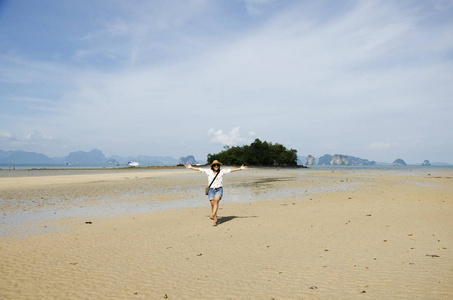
<point>371,79</point>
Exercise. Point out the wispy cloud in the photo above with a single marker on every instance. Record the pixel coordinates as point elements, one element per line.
<point>443,4</point>
<point>4,135</point>
<point>27,142</point>
<point>39,104</point>
<point>21,69</point>
<point>38,137</point>
<point>257,7</point>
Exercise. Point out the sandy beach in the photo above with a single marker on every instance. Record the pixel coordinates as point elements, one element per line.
<point>282,234</point>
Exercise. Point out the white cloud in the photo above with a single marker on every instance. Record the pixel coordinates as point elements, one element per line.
<point>233,138</point>
<point>38,137</point>
<point>4,135</point>
<point>35,141</point>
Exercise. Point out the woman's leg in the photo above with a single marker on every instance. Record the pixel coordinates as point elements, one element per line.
<point>215,208</point>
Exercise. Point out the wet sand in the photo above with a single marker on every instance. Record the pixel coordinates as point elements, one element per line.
<point>283,234</point>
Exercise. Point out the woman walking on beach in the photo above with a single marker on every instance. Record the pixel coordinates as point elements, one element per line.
<point>215,179</point>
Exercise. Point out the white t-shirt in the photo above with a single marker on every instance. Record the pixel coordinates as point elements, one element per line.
<point>218,182</point>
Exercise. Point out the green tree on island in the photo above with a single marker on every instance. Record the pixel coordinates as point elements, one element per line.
<point>257,153</point>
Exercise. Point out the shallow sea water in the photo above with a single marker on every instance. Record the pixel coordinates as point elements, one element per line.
<point>243,187</point>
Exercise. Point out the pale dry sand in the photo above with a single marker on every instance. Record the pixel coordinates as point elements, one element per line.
<point>283,234</point>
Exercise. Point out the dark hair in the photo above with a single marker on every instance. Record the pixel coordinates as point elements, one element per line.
<point>212,167</point>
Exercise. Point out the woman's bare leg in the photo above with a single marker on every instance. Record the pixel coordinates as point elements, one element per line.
<point>214,209</point>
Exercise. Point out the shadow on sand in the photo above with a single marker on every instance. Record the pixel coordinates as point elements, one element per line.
<point>221,220</point>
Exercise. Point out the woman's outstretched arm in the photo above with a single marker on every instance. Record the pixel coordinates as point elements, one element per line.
<point>189,166</point>
<point>239,169</point>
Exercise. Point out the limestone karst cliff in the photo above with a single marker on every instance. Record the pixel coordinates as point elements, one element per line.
<point>325,159</point>
<point>399,162</point>
<point>426,163</point>
<point>311,160</point>
<point>341,160</point>
<point>188,160</point>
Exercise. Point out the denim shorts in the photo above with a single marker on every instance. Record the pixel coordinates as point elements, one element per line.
<point>217,192</point>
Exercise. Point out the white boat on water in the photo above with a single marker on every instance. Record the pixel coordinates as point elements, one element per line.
<point>132,164</point>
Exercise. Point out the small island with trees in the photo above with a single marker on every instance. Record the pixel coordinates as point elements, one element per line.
<point>258,153</point>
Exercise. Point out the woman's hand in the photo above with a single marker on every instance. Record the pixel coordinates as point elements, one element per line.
<point>239,169</point>
<point>189,166</point>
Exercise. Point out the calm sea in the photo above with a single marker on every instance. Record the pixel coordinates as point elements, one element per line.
<point>446,168</point>
<point>60,166</point>
<point>3,167</point>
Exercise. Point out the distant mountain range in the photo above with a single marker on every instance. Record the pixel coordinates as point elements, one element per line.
<point>24,157</point>
<point>93,157</point>
<point>96,157</point>
<point>339,159</point>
